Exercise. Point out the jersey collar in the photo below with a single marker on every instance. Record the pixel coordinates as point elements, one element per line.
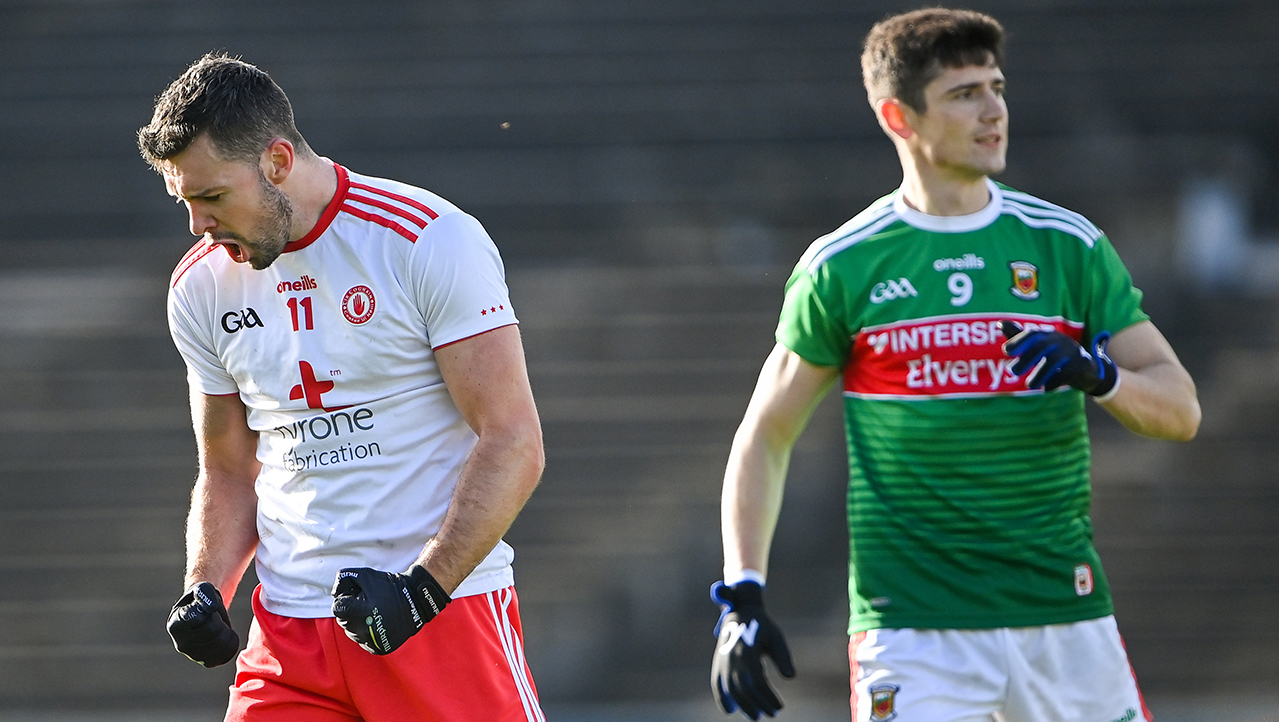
<point>951,224</point>
<point>330,212</point>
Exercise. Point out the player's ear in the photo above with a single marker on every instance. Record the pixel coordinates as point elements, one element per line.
<point>277,160</point>
<point>893,117</point>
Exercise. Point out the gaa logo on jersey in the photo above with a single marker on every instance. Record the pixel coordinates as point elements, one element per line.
<point>883,702</point>
<point>888,290</point>
<point>1025,280</point>
<point>358,304</point>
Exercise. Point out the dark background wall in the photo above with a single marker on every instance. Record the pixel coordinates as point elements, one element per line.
<point>649,169</point>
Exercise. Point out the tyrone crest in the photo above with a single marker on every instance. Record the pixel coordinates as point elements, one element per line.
<point>358,304</point>
<point>1025,280</point>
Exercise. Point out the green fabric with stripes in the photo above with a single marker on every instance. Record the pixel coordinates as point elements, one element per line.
<point>963,513</point>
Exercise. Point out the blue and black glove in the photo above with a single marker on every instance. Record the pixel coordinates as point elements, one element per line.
<point>200,627</point>
<point>745,635</point>
<point>1058,360</point>
<point>380,610</point>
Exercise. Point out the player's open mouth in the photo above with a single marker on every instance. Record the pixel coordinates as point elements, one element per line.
<point>238,253</point>
<point>233,249</point>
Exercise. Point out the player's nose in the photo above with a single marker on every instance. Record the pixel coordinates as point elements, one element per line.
<point>200,223</point>
<point>995,107</point>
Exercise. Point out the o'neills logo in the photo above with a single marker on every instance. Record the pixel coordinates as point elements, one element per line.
<point>959,355</point>
<point>358,304</point>
<point>969,262</point>
<point>306,283</point>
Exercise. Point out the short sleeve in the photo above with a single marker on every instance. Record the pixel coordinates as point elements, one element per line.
<point>1114,303</point>
<point>458,280</point>
<point>205,372</point>
<point>810,324</point>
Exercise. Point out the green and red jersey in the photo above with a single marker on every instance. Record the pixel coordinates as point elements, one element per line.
<point>968,493</point>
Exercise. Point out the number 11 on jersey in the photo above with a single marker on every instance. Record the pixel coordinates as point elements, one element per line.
<point>305,303</point>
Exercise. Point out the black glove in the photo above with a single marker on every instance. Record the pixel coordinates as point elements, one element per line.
<point>200,627</point>
<point>746,634</point>
<point>1064,361</point>
<point>381,610</point>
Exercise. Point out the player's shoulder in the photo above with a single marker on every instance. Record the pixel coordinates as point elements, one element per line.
<point>401,207</point>
<point>198,254</point>
<point>859,229</point>
<point>1038,213</point>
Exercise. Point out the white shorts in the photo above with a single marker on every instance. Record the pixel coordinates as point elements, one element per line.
<point>1054,673</point>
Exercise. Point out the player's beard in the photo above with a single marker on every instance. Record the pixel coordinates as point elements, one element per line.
<point>273,231</point>
<point>277,226</point>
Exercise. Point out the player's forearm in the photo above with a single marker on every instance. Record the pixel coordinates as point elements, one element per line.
<point>1157,401</point>
<point>222,532</point>
<point>788,390</point>
<point>754,482</point>
<point>498,478</point>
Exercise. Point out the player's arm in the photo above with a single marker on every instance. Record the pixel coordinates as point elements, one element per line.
<point>786,393</point>
<point>486,376</point>
<point>488,381</point>
<point>1135,375</point>
<point>788,390</point>
<point>221,529</point>
<point>1156,396</point>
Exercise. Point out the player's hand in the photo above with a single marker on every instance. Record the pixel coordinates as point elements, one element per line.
<point>381,610</point>
<point>1058,360</point>
<point>746,635</point>
<point>200,627</point>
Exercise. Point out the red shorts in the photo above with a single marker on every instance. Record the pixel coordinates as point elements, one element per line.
<point>466,664</point>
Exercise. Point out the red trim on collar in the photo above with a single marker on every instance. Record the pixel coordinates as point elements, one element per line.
<point>330,212</point>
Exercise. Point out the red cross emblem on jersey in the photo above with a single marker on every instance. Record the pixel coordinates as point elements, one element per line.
<point>312,388</point>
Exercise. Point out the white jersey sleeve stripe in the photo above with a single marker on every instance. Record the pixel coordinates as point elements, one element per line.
<point>397,197</point>
<point>1063,226</point>
<point>860,227</point>
<point>381,221</point>
<point>410,217</point>
<point>192,257</point>
<point>1038,207</point>
<point>1028,199</point>
<point>1085,228</point>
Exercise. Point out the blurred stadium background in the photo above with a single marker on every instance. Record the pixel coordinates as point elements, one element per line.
<point>650,170</point>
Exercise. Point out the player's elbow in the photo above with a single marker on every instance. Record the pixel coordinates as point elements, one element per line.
<point>1180,424</point>
<point>1190,418</point>
<point>535,459</point>
<point>1188,414</point>
<point>526,455</point>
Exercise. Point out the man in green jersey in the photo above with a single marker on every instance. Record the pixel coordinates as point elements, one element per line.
<point>967,322</point>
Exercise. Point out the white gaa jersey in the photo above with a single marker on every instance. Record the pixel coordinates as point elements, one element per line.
<point>331,350</point>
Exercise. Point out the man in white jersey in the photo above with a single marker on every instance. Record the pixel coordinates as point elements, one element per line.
<point>364,422</point>
<point>968,322</point>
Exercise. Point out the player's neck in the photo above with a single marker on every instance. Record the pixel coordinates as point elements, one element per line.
<point>929,191</point>
<point>310,187</point>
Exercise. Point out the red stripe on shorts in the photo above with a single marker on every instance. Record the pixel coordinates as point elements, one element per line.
<point>853,668</point>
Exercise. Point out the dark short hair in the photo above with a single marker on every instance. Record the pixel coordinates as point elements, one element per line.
<point>904,53</point>
<point>238,105</point>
